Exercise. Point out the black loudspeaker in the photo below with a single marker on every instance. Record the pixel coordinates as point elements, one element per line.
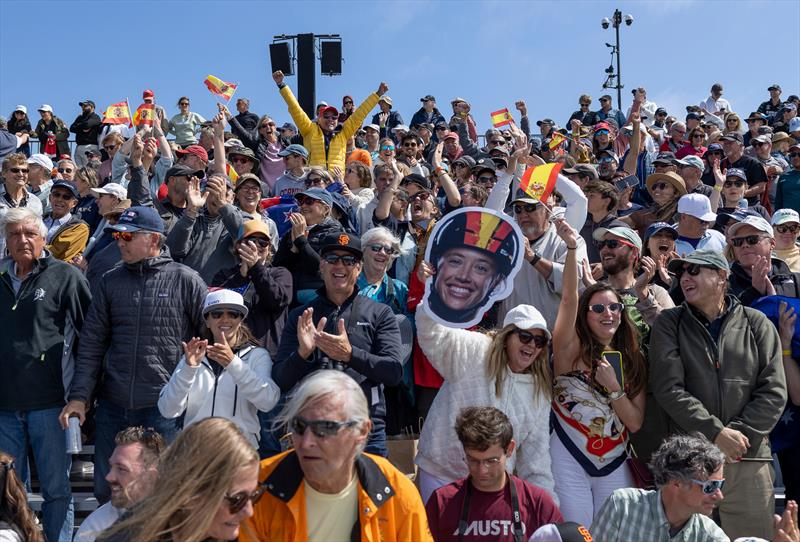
<point>280,58</point>
<point>331,57</point>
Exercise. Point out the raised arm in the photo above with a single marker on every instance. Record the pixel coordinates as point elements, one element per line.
<point>446,182</point>
<point>304,124</point>
<point>636,142</point>
<point>385,197</point>
<point>565,340</point>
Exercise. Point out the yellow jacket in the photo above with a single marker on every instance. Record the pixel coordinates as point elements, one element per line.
<point>313,139</point>
<point>69,240</point>
<point>390,508</point>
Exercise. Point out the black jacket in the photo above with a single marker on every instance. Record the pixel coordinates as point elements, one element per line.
<point>132,337</point>
<point>267,292</point>
<point>40,326</point>
<point>86,129</point>
<point>139,194</point>
<point>785,282</point>
<point>246,123</point>
<point>373,333</point>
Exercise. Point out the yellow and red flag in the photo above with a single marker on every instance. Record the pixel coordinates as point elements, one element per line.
<point>145,114</point>
<point>539,181</point>
<point>219,87</point>
<point>118,113</point>
<point>231,173</point>
<point>556,139</point>
<point>501,118</point>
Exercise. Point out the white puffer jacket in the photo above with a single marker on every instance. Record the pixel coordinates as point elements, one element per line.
<point>242,389</point>
<point>460,357</point>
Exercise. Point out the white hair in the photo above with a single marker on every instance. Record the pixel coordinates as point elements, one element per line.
<point>383,233</point>
<point>19,215</point>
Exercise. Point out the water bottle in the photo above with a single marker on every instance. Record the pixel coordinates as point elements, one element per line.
<point>73,435</point>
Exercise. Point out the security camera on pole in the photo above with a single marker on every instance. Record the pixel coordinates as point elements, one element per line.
<point>615,21</point>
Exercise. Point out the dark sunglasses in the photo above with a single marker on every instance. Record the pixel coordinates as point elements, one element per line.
<point>320,428</point>
<point>216,315</point>
<point>348,103</point>
<point>260,241</point>
<point>660,186</point>
<point>239,159</point>
<point>585,105</point>
<point>525,337</point>
<point>498,142</point>
<point>61,195</point>
<point>109,147</point>
<point>600,308</point>
<point>65,170</point>
<point>423,196</point>
<point>184,103</point>
<point>751,240</point>
<point>760,143</point>
<point>786,228</point>
<point>376,248</point>
<point>612,244</point>
<point>18,170</point>
<point>692,269</point>
<point>237,501</point>
<point>709,486</point>
<point>694,136</point>
<point>486,179</point>
<point>333,259</point>
<point>525,208</point>
<point>793,154</point>
<point>737,184</point>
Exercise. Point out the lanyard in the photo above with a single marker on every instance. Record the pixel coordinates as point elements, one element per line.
<point>517,528</point>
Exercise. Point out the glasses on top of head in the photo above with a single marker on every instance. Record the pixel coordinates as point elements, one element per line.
<point>600,308</point>
<point>320,428</point>
<point>709,486</point>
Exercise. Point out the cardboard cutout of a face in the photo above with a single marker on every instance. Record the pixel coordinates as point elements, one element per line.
<point>477,253</point>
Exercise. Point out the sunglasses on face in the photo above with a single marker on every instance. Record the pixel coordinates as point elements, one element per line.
<point>787,228</point>
<point>18,170</point>
<point>692,270</point>
<point>709,486</point>
<point>605,160</point>
<point>612,244</point>
<point>751,240</point>
<point>601,132</point>
<point>259,241</point>
<point>600,308</point>
<point>498,142</point>
<point>183,103</point>
<point>348,103</point>
<point>320,428</point>
<point>65,170</point>
<point>126,236</point>
<point>660,186</point>
<point>389,250</point>
<point>695,136</point>
<point>737,184</point>
<point>66,196</point>
<point>216,315</point>
<point>237,501</point>
<point>333,259</point>
<point>422,196</point>
<point>387,147</point>
<point>760,143</point>
<point>525,208</point>
<point>584,105</point>
<point>793,154</point>
<point>525,337</point>
<point>486,179</point>
<point>239,160</point>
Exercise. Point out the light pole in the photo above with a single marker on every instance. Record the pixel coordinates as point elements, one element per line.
<point>615,80</point>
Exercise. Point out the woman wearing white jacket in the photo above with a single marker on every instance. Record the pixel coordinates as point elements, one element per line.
<point>225,374</point>
<point>506,368</point>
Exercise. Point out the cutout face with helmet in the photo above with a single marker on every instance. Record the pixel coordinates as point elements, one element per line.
<point>476,254</point>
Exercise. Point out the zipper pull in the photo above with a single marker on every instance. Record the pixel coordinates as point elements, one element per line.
<point>717,364</point>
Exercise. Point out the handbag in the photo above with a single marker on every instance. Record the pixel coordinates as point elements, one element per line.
<point>642,476</point>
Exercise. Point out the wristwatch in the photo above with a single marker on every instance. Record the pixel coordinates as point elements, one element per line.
<point>535,258</point>
<point>614,395</point>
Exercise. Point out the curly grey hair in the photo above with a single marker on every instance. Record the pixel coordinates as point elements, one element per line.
<point>684,457</point>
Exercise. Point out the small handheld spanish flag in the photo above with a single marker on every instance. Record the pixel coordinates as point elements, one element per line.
<point>501,118</point>
<point>539,181</point>
<point>145,114</point>
<point>118,113</point>
<point>219,87</point>
<point>557,139</point>
<point>231,173</point>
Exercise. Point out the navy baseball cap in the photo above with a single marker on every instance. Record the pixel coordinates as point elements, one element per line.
<point>67,186</point>
<point>138,219</point>
<point>656,227</point>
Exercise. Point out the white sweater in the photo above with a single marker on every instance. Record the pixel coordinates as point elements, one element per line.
<point>460,356</point>
<point>242,389</point>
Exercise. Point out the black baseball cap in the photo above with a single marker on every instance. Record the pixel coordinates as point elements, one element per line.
<point>417,179</point>
<point>342,241</point>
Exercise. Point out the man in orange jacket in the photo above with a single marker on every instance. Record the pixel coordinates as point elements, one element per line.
<point>326,488</point>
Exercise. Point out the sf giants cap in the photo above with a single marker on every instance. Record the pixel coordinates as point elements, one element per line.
<point>563,532</point>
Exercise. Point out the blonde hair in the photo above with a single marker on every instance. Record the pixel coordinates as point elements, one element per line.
<point>497,363</point>
<point>194,475</point>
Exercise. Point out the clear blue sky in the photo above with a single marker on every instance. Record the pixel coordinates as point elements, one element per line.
<point>490,53</point>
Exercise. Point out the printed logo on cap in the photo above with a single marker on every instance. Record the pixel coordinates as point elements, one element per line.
<point>344,239</point>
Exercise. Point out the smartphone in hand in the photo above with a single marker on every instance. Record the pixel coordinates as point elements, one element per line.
<point>614,358</point>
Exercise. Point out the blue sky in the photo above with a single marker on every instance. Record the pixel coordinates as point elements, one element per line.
<point>491,53</point>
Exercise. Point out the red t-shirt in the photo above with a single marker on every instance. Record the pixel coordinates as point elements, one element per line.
<point>490,516</point>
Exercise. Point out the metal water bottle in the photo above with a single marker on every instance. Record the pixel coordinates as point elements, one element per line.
<point>73,435</point>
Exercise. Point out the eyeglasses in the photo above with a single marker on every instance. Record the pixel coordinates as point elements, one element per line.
<point>525,208</point>
<point>65,170</point>
<point>737,184</point>
<point>387,147</point>
<point>239,160</point>
<point>389,250</point>
<point>709,486</point>
<point>498,142</point>
<point>760,143</point>
<point>486,179</point>
<point>320,428</point>
<point>422,196</point>
<point>751,240</point>
<point>18,170</point>
<point>216,315</point>
<point>66,196</point>
<point>600,308</point>
<point>585,105</point>
<point>260,241</point>
<point>601,132</point>
<point>305,201</point>
<point>660,186</point>
<point>787,228</point>
<point>333,259</point>
<point>695,136</point>
<point>525,337</point>
<point>126,236</point>
<point>793,154</point>
<point>237,501</point>
<point>612,244</point>
<point>488,463</point>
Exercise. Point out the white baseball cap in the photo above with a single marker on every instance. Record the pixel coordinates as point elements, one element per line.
<point>41,160</point>
<point>21,108</point>
<point>112,188</point>
<point>758,222</point>
<point>45,107</point>
<point>224,299</point>
<point>782,216</point>
<point>526,317</point>
<point>698,206</point>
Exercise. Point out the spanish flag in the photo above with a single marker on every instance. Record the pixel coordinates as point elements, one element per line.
<point>231,173</point>
<point>145,114</point>
<point>539,181</point>
<point>501,118</point>
<point>118,113</point>
<point>557,139</point>
<point>219,87</point>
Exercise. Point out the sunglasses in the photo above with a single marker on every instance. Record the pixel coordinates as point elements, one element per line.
<point>348,103</point>
<point>793,154</point>
<point>600,308</point>
<point>320,428</point>
<point>376,248</point>
<point>126,236</point>
<point>660,186</point>
<point>422,196</point>
<point>525,337</point>
<point>237,501</point>
<point>216,315</point>
<point>66,196</point>
<point>605,160</point>
<point>486,179</point>
<point>109,147</point>
<point>65,170</point>
<point>737,184</point>
<point>695,136</point>
<point>184,103</point>
<point>239,160</point>
<point>709,486</point>
<point>760,143</point>
<point>585,105</point>
<point>305,201</point>
<point>259,241</point>
<point>387,147</point>
<point>18,170</point>
<point>526,208</point>
<point>612,244</point>
<point>692,269</point>
<point>601,132</point>
<point>333,259</point>
<point>787,228</point>
<point>751,240</point>
<point>498,142</point>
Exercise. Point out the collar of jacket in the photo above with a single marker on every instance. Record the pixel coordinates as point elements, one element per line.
<point>323,296</point>
<point>7,263</point>
<point>149,264</point>
<point>731,303</point>
<point>287,477</point>
<point>779,267</point>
